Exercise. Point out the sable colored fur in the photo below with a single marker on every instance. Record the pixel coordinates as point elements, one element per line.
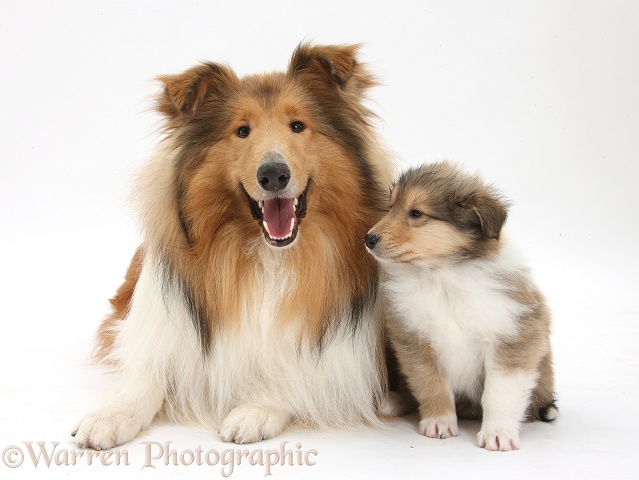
<point>469,327</point>
<point>255,302</point>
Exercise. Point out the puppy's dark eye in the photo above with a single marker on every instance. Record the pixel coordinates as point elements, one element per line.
<point>243,131</point>
<point>297,127</point>
<point>415,214</point>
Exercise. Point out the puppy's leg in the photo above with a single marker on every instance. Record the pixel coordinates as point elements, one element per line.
<point>150,338</point>
<point>427,382</point>
<point>515,369</point>
<point>251,423</point>
<point>543,405</point>
<point>504,401</point>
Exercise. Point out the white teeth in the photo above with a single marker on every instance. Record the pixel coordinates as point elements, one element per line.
<point>288,235</point>
<point>260,204</point>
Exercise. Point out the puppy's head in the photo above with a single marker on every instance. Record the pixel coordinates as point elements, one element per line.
<point>438,212</point>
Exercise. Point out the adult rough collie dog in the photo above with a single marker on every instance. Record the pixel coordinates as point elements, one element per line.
<point>470,328</point>
<point>252,302</point>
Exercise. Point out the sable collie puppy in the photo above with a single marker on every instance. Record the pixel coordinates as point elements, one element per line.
<point>469,327</point>
<point>252,301</point>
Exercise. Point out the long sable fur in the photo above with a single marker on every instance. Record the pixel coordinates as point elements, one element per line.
<point>201,229</point>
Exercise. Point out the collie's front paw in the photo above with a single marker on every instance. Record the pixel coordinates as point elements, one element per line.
<point>439,427</point>
<point>498,440</point>
<point>249,424</point>
<point>107,428</point>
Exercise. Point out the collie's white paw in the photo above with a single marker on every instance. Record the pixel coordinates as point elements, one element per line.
<point>439,427</point>
<point>249,424</point>
<point>498,440</point>
<point>107,428</point>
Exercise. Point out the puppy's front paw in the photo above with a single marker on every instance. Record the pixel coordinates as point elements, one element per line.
<point>249,424</point>
<point>439,427</point>
<point>498,440</point>
<point>107,428</point>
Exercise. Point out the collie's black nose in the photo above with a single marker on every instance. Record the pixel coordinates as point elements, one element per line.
<point>273,176</point>
<point>371,240</point>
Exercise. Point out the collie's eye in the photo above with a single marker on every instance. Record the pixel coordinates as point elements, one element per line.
<point>297,127</point>
<point>243,131</point>
<point>415,214</point>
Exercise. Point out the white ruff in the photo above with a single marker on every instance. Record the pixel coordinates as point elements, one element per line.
<point>259,364</point>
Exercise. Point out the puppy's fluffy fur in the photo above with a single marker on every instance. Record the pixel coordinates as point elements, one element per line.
<point>252,302</point>
<point>468,325</point>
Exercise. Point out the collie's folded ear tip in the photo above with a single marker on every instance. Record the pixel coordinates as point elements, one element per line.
<point>337,64</point>
<point>184,92</point>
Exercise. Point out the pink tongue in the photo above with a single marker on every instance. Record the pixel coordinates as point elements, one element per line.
<point>278,214</point>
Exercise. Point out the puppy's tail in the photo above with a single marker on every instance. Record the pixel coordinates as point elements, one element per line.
<point>548,412</point>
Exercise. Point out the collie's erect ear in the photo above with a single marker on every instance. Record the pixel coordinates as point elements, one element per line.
<point>335,64</point>
<point>487,210</point>
<point>185,92</point>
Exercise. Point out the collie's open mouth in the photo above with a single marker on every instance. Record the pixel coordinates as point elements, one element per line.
<point>279,217</point>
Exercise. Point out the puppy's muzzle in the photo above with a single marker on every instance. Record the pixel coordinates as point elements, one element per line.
<point>372,239</point>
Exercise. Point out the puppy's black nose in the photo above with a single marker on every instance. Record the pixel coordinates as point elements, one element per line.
<point>273,176</point>
<point>371,240</point>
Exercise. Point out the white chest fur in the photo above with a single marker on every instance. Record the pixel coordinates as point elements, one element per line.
<point>462,309</point>
<point>259,362</point>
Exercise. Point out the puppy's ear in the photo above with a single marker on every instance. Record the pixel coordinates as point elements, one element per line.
<point>487,211</point>
<point>184,93</point>
<point>334,64</point>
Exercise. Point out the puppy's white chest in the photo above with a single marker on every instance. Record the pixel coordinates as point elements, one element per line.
<point>460,349</point>
<point>461,313</point>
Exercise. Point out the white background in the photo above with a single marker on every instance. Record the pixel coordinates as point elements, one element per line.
<point>542,97</point>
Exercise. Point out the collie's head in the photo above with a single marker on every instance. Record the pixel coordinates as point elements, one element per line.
<point>256,156</point>
<point>269,177</point>
<point>438,212</point>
